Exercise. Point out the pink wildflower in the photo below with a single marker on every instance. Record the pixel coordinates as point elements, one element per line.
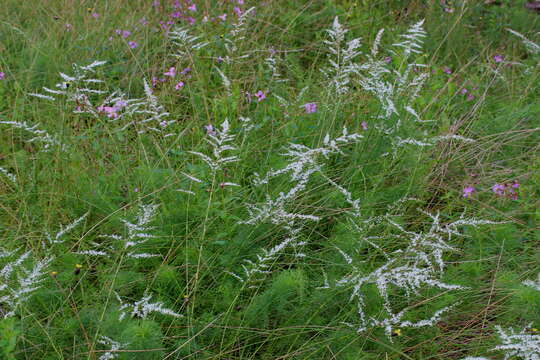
<point>463,91</point>
<point>192,7</point>
<point>498,189</point>
<point>2,75</point>
<point>223,17</point>
<point>132,44</point>
<point>467,191</point>
<point>210,129</point>
<point>498,58</point>
<point>179,85</point>
<point>260,95</point>
<point>237,11</point>
<point>447,70</point>
<point>95,15</point>
<point>364,125</point>
<point>310,108</point>
<point>171,72</point>
<point>126,33</point>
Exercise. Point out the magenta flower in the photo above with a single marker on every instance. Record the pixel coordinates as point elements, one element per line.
<point>470,97</point>
<point>387,59</point>
<point>179,85</point>
<point>223,17</point>
<point>2,75</point>
<point>237,11</point>
<point>240,2</point>
<point>463,91</point>
<point>310,108</point>
<point>95,15</point>
<point>515,184</point>
<point>498,58</point>
<point>192,7</point>
<point>467,191</point>
<point>260,95</point>
<point>185,71</point>
<point>498,189</point>
<point>447,70</point>
<point>132,44</point>
<point>210,129</point>
<point>143,21</point>
<point>171,72</point>
<point>126,33</point>
<point>176,14</point>
<point>364,125</point>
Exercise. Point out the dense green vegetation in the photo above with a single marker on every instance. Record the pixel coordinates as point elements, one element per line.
<point>212,177</point>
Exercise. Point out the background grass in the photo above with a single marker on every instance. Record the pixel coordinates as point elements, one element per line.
<point>286,315</point>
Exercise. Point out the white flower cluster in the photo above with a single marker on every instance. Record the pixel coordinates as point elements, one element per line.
<point>143,308</point>
<point>113,345</point>
<point>419,265</point>
<point>516,345</point>
<point>219,140</point>
<point>78,87</point>
<point>43,139</point>
<point>17,282</point>
<point>341,57</point>
<point>137,233</point>
<point>185,43</point>
<point>304,162</point>
<point>8,175</point>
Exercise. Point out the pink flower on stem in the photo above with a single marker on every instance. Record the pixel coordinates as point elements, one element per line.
<point>95,15</point>
<point>498,58</point>
<point>260,95</point>
<point>310,108</point>
<point>179,85</point>
<point>447,70</point>
<point>192,7</point>
<point>498,189</point>
<point>467,191</point>
<point>223,17</point>
<point>364,125</point>
<point>237,11</point>
<point>126,33</point>
<point>132,44</point>
<point>210,129</point>
<point>463,91</point>
<point>2,75</point>
<point>171,72</point>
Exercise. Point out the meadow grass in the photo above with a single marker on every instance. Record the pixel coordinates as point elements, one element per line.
<point>269,180</point>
